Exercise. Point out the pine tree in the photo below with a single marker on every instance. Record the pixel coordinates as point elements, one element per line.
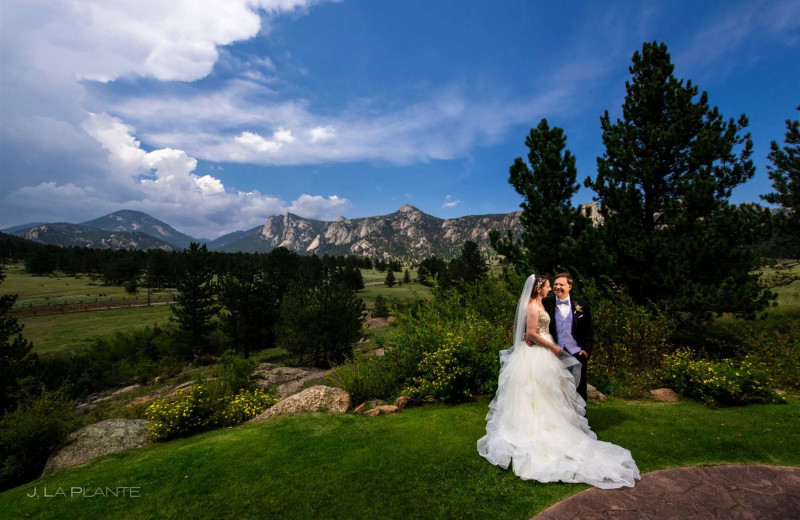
<point>406,276</point>
<point>16,359</point>
<point>669,167</point>
<point>195,300</point>
<point>550,224</point>
<point>785,175</point>
<point>389,281</point>
<point>252,308</point>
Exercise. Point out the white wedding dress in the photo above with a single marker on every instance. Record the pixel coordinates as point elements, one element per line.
<point>536,421</point>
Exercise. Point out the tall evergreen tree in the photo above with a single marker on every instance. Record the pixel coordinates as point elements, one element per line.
<point>320,323</point>
<point>663,185</point>
<point>550,224</point>
<point>195,300</point>
<point>785,175</point>
<point>389,281</point>
<point>16,359</point>
<point>252,307</point>
<point>467,268</point>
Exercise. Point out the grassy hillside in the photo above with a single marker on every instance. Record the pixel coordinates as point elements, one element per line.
<point>421,463</point>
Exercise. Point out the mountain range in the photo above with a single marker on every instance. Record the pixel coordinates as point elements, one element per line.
<point>406,233</point>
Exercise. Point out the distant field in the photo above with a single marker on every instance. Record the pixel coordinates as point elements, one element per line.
<point>57,332</point>
<point>399,294</point>
<point>41,290</point>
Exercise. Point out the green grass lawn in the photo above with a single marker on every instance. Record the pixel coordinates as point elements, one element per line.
<point>56,332</point>
<point>421,463</point>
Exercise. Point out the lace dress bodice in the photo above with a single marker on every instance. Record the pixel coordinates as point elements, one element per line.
<point>543,326</point>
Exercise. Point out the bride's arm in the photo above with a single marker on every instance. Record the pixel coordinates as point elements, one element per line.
<point>532,324</point>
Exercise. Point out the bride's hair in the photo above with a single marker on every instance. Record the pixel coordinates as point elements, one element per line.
<point>538,284</point>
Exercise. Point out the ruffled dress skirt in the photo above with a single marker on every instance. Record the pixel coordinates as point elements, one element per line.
<point>537,425</point>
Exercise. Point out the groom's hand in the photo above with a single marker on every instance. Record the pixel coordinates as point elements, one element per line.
<point>583,353</point>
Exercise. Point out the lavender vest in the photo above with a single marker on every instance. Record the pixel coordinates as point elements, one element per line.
<point>564,328</point>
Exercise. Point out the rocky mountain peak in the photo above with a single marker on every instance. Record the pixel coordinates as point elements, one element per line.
<point>407,208</point>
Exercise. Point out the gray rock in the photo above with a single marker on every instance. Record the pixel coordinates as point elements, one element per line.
<point>402,401</point>
<point>287,380</point>
<point>318,398</point>
<point>376,403</point>
<point>98,440</point>
<point>594,393</point>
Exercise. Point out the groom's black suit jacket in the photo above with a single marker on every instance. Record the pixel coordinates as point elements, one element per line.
<point>581,323</point>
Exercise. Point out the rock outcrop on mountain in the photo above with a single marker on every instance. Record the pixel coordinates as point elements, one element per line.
<point>406,233</point>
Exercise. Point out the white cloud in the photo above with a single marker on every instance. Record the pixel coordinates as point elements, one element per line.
<point>449,202</point>
<point>163,183</point>
<point>318,207</point>
<point>321,133</point>
<point>256,143</point>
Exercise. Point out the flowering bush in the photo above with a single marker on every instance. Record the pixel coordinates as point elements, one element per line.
<point>203,407</point>
<point>246,405</point>
<point>717,382</point>
<point>442,374</point>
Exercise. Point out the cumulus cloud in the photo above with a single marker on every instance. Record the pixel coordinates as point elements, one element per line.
<point>318,207</point>
<point>52,50</point>
<point>163,182</point>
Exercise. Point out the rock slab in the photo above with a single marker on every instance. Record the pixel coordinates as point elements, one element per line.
<point>288,380</point>
<point>318,398</point>
<point>98,440</point>
<point>731,491</point>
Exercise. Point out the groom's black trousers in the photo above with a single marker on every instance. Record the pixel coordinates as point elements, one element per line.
<point>582,385</point>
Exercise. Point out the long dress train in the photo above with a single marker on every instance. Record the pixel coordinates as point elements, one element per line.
<point>537,423</point>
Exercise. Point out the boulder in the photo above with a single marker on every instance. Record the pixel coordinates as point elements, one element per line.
<point>402,401</point>
<point>98,440</point>
<point>665,395</point>
<point>287,380</point>
<point>381,410</point>
<point>374,403</point>
<point>315,399</point>
<point>594,393</point>
<point>376,323</point>
<point>360,409</point>
<point>391,320</point>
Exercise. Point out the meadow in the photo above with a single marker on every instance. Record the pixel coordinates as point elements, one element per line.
<point>57,332</point>
<point>421,463</point>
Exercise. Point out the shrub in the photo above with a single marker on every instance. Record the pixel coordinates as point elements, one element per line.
<point>630,341</point>
<point>463,330</point>
<point>204,406</point>
<point>724,382</point>
<point>442,374</point>
<point>30,433</point>
<point>236,372</point>
<point>365,378</point>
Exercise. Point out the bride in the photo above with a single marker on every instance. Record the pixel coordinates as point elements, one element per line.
<point>536,420</point>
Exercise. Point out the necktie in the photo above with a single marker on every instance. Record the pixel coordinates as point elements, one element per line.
<point>562,302</point>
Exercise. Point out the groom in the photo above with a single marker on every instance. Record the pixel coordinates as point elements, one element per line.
<point>570,324</point>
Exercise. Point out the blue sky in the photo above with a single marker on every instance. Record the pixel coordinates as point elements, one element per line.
<point>213,116</point>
